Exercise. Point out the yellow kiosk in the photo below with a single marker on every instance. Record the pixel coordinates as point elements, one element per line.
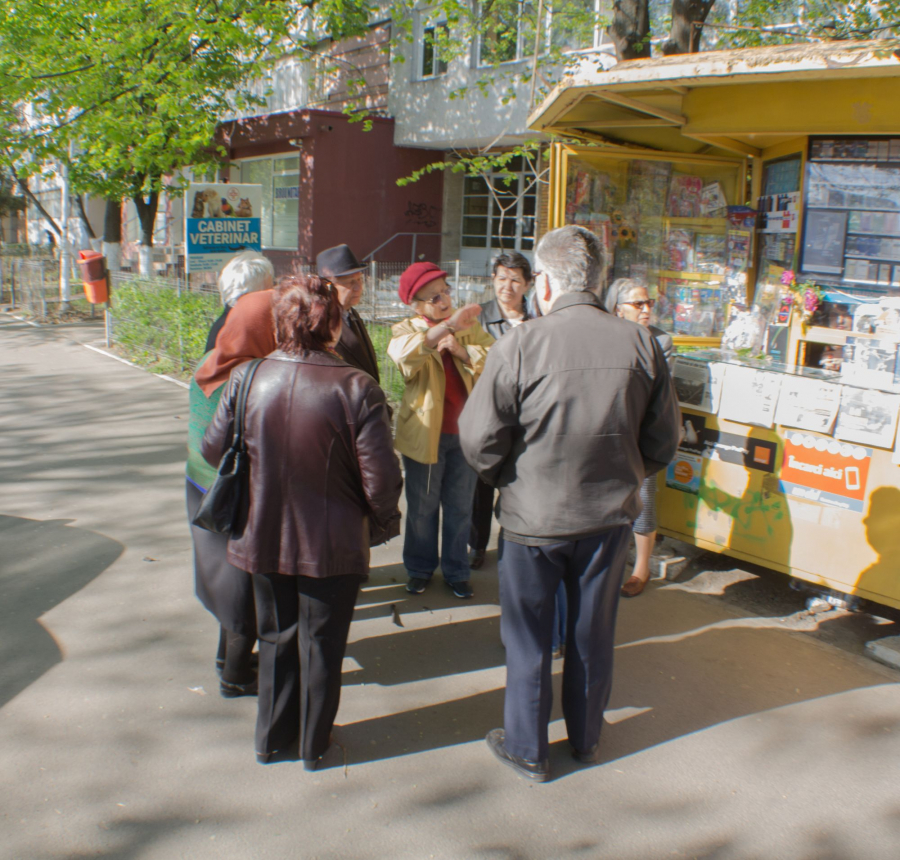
<point>757,193</point>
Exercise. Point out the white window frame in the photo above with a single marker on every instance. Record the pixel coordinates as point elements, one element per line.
<point>523,52</point>
<point>429,19</point>
<point>237,165</point>
<point>518,188</point>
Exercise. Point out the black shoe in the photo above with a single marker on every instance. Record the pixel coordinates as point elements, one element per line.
<point>313,763</point>
<point>416,585</point>
<point>587,756</point>
<point>234,691</point>
<point>537,771</point>
<point>461,589</point>
<point>254,663</point>
<point>476,559</point>
<point>291,753</point>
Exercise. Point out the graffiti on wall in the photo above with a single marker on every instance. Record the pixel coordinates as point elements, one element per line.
<point>422,215</point>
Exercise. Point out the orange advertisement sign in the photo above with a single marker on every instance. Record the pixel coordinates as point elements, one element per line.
<point>825,471</point>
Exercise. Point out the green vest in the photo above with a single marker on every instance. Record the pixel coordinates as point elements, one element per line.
<point>201,411</point>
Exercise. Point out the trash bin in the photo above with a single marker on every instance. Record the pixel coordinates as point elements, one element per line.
<point>94,276</point>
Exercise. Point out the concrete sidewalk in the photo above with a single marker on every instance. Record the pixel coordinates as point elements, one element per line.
<point>730,735</point>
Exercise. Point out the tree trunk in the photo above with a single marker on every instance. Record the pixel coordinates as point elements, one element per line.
<point>630,29</point>
<point>687,26</point>
<point>146,210</point>
<point>79,205</point>
<point>23,185</point>
<point>112,235</point>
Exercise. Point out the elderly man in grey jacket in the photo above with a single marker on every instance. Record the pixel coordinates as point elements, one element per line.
<point>572,412</point>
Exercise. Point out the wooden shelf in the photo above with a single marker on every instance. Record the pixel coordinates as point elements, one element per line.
<point>689,276</point>
<point>698,225</point>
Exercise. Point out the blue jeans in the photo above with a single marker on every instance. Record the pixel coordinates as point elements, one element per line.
<point>446,487</point>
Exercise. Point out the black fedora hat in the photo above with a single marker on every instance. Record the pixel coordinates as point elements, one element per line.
<point>337,261</point>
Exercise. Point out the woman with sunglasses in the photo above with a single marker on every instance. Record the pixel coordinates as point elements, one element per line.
<point>440,352</point>
<point>629,299</point>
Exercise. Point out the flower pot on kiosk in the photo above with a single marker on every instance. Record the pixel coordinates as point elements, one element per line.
<point>94,276</point>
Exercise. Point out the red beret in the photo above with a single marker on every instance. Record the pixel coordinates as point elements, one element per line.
<point>417,276</point>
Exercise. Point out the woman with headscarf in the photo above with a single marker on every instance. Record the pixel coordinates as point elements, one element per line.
<point>224,589</point>
<point>324,485</point>
<point>247,272</point>
<point>630,300</point>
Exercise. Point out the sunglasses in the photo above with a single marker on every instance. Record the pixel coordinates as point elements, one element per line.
<point>646,303</point>
<point>444,294</point>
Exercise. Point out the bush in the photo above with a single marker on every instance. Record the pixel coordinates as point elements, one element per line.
<point>159,329</point>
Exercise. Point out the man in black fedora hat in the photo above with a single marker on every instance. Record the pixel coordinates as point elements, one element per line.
<point>344,270</point>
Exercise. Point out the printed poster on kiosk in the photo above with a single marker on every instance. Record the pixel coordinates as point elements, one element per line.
<point>825,471</point>
<point>222,220</point>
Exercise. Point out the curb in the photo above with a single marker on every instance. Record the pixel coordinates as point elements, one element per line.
<point>135,366</point>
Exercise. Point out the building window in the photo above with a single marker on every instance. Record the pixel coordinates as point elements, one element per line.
<point>433,34</point>
<point>506,31</point>
<point>507,28</point>
<point>578,25</point>
<point>500,216</point>
<point>280,179</point>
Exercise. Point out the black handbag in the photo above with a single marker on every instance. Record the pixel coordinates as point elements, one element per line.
<point>221,505</point>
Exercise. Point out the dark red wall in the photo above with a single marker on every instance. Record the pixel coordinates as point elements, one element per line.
<point>348,184</point>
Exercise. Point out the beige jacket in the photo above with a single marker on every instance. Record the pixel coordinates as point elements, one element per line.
<point>422,408</point>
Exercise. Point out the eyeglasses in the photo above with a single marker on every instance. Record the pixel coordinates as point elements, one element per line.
<point>646,303</point>
<point>443,294</point>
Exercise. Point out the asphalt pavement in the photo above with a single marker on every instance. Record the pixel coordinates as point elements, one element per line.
<point>741,726</point>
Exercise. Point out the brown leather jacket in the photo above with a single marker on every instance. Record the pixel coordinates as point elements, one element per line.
<point>324,478</point>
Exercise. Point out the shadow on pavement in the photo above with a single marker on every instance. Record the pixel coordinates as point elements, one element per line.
<point>43,563</point>
<point>682,666</point>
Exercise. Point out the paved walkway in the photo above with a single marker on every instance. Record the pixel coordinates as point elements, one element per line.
<point>730,735</point>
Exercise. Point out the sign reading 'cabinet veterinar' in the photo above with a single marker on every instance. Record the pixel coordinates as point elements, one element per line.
<point>222,220</point>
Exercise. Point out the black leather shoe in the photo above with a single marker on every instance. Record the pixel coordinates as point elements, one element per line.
<point>476,559</point>
<point>537,771</point>
<point>289,754</point>
<point>254,663</point>
<point>234,691</point>
<point>313,763</point>
<point>587,756</point>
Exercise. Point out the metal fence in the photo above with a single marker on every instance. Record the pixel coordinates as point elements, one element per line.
<point>162,323</point>
<point>30,285</point>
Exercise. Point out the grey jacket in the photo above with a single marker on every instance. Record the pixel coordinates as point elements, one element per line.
<point>572,411</point>
<point>493,321</point>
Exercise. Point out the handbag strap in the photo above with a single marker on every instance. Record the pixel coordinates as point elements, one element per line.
<point>241,405</point>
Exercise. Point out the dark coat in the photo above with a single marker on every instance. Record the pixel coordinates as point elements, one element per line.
<point>493,322</point>
<point>215,329</point>
<point>572,412</point>
<point>355,345</point>
<point>324,478</point>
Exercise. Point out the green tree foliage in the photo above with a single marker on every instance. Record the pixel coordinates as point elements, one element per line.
<point>127,92</point>
<point>778,22</point>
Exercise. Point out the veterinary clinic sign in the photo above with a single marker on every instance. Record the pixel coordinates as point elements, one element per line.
<point>222,220</point>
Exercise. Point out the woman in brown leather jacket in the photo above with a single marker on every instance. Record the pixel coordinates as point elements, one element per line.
<point>324,486</point>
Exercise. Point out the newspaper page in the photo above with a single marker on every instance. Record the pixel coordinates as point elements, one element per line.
<point>750,396</point>
<point>808,404</point>
<point>698,383</point>
<point>867,417</point>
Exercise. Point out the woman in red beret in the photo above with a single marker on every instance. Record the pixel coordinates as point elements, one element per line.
<point>440,352</point>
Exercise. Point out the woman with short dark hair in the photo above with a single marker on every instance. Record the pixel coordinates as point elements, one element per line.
<point>508,308</point>
<point>324,486</point>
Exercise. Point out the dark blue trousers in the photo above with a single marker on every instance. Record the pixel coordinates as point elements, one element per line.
<point>591,570</point>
